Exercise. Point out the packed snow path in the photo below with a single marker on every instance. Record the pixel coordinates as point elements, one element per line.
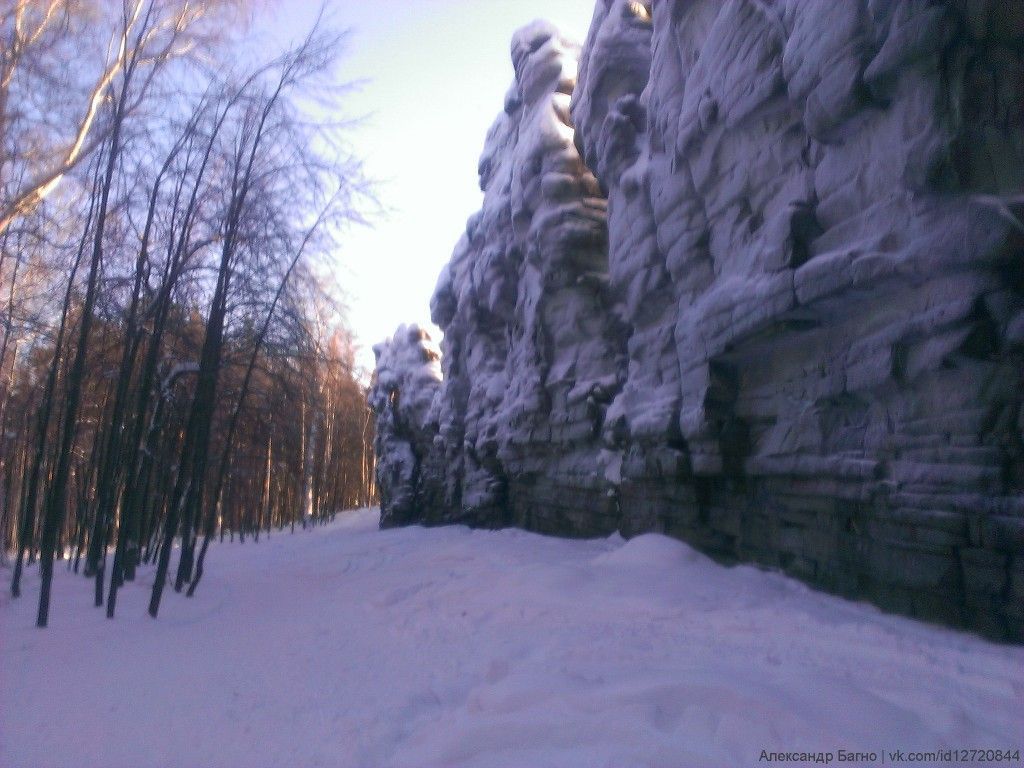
<point>348,646</point>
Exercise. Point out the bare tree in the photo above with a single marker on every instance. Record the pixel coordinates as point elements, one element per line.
<point>148,36</point>
<point>140,412</point>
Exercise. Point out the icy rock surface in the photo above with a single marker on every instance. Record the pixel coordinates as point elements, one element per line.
<point>777,312</point>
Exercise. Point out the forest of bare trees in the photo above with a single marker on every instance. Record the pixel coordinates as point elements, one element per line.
<point>174,362</point>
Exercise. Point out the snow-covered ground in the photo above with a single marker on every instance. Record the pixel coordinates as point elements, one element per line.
<point>347,646</point>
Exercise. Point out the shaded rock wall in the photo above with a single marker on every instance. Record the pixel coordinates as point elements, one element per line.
<point>406,378</point>
<point>797,337</point>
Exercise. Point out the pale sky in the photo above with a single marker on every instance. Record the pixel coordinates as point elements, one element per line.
<point>436,74</point>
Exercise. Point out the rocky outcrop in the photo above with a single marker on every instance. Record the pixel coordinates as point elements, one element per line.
<point>406,378</point>
<point>531,343</point>
<point>797,335</point>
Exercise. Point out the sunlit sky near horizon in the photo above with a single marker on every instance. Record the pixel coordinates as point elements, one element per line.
<point>434,74</point>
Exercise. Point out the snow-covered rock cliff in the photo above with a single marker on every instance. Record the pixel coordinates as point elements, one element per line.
<point>777,312</point>
<point>405,380</point>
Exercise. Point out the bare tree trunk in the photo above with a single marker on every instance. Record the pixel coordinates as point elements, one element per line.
<point>188,497</point>
<point>108,490</point>
<point>140,458</point>
<point>229,440</point>
<point>45,412</point>
<point>188,489</point>
<point>56,498</point>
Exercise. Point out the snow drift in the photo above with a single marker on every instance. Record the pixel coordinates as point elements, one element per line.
<point>350,647</point>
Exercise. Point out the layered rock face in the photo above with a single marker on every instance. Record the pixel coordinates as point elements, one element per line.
<point>532,347</point>
<point>797,336</point>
